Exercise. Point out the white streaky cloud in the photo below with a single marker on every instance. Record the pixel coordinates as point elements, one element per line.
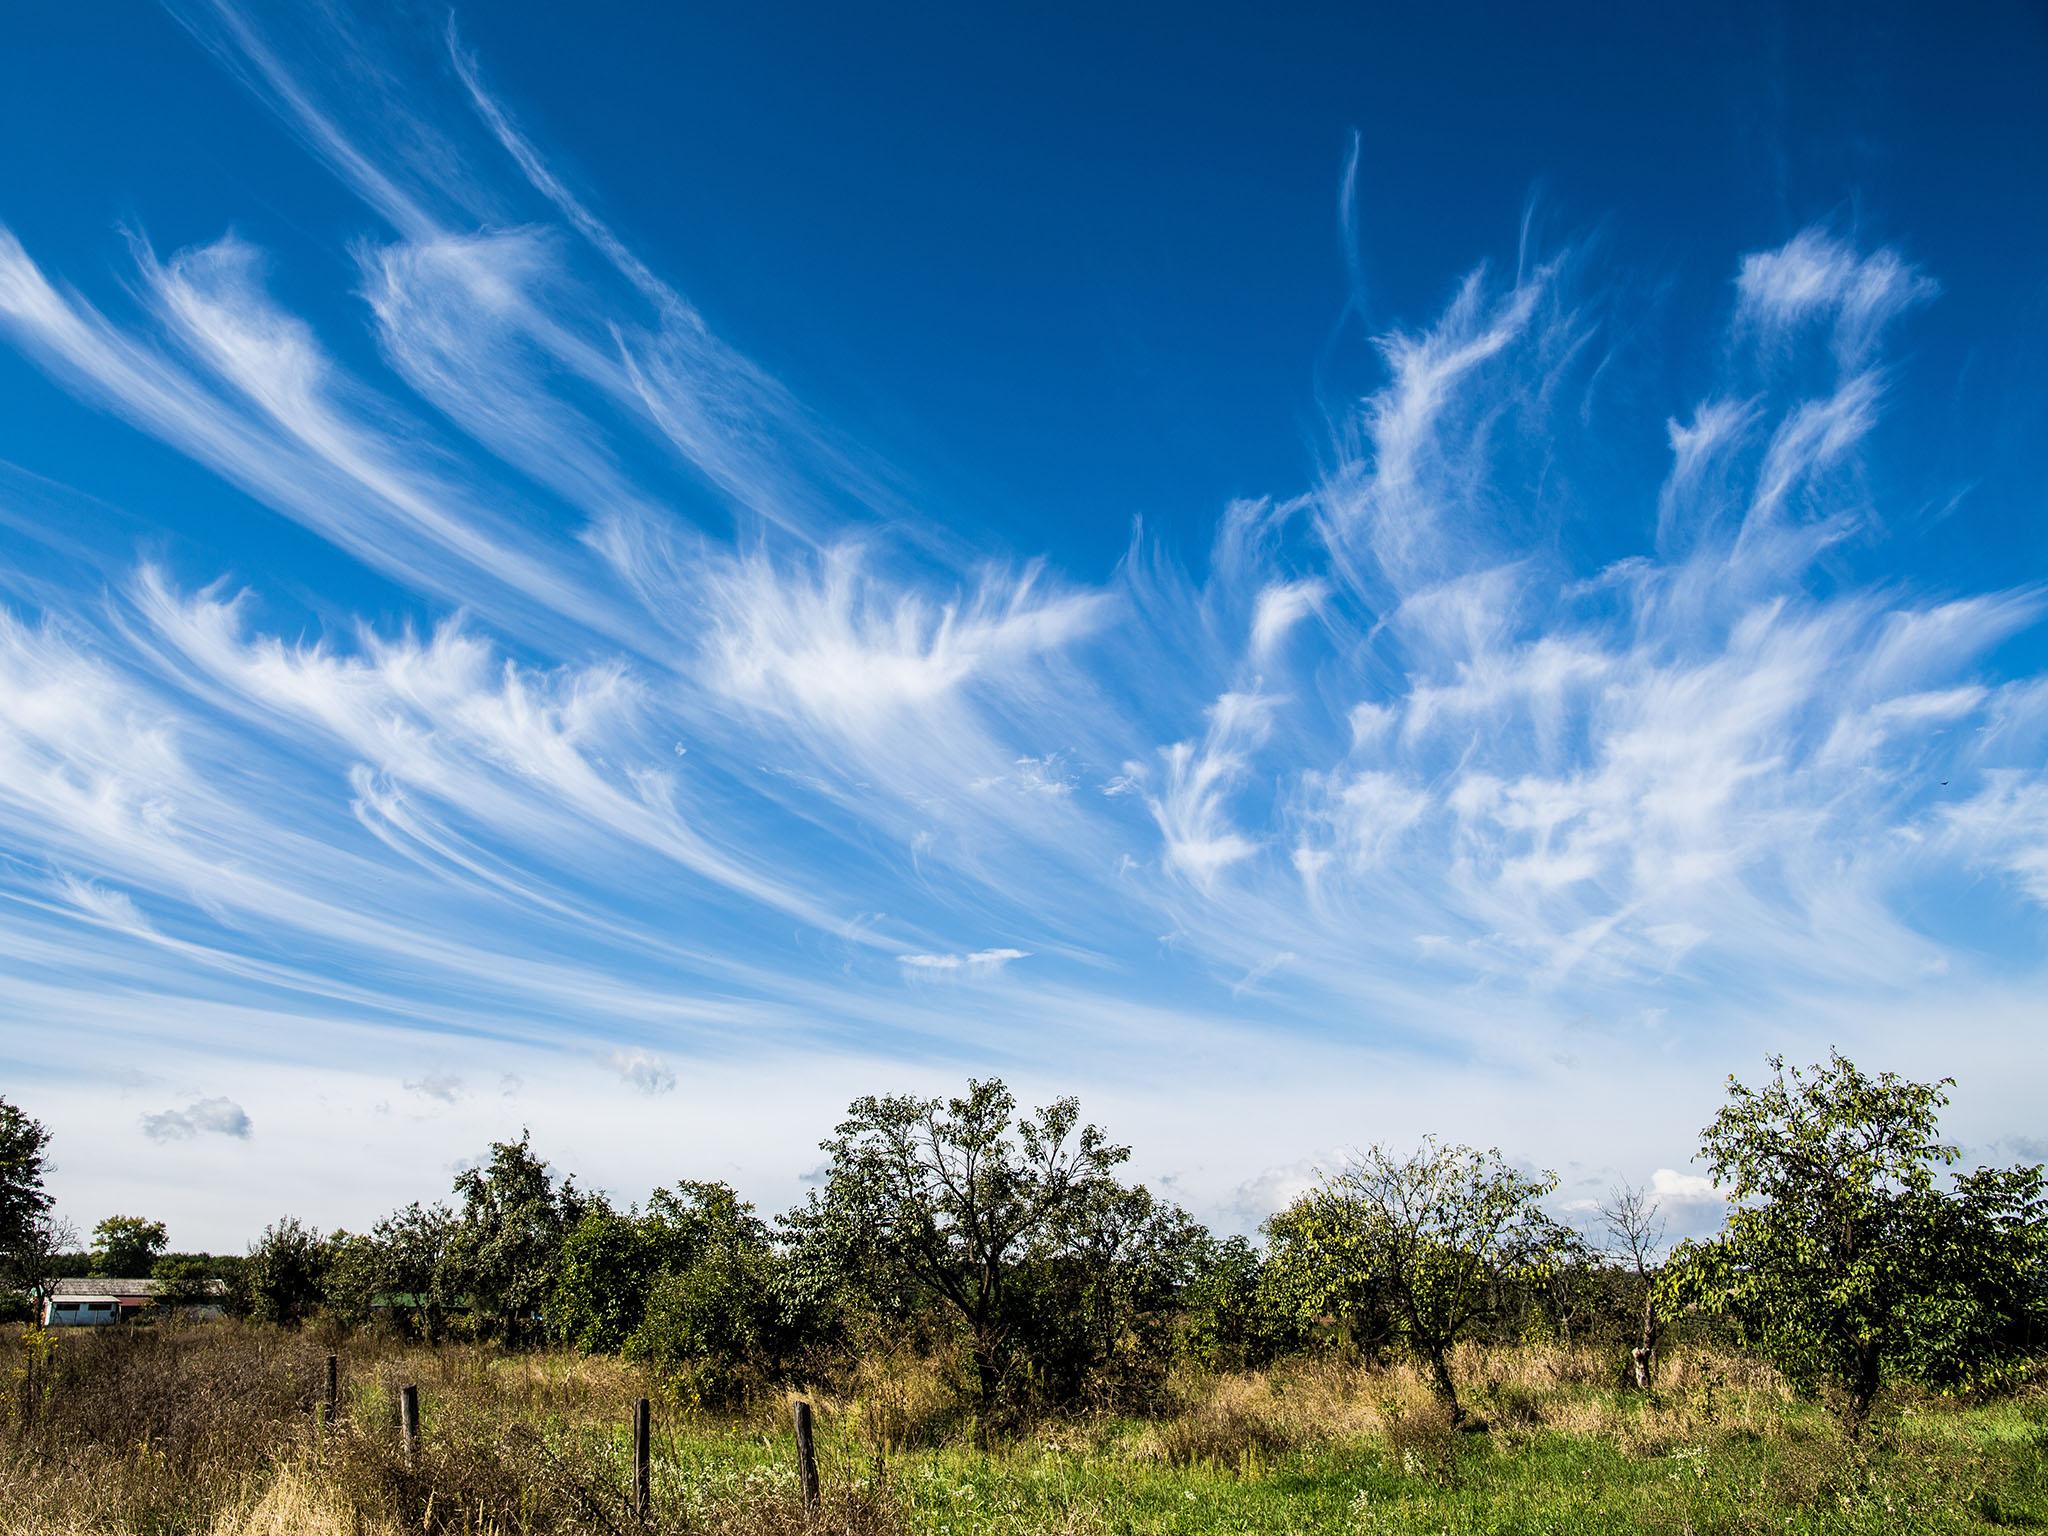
<point>1280,607</point>
<point>1192,809</point>
<point>111,908</point>
<point>2004,827</point>
<point>684,723</point>
<point>840,648</point>
<point>277,432</point>
<point>536,755</point>
<point>1818,275</point>
<point>979,963</point>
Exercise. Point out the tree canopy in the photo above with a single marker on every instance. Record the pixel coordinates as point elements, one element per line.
<point>127,1245</point>
<point>1843,1258</point>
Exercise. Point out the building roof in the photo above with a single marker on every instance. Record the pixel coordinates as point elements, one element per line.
<point>103,1286</point>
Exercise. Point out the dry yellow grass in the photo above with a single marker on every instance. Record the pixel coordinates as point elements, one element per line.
<point>210,1434</point>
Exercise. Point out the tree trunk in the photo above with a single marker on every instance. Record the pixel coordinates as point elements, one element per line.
<point>1644,1355</point>
<point>988,1381</point>
<point>1440,1378</point>
<point>1863,1387</point>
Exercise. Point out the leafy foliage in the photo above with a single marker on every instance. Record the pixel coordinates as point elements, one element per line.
<point>24,1145</point>
<point>127,1245</point>
<point>1425,1244</point>
<point>710,1322</point>
<point>284,1274</point>
<point>940,1200</point>
<point>183,1280</point>
<point>505,1250</point>
<point>1843,1260</point>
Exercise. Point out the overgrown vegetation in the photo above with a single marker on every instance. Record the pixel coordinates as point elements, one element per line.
<point>213,1430</point>
<point>1417,1344</point>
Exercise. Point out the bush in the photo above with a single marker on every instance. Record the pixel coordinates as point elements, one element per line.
<point>706,1326</point>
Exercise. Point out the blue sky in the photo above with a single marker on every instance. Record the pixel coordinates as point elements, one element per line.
<point>1311,580</point>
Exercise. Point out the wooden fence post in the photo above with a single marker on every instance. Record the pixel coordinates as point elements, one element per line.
<point>643,1479</point>
<point>333,1387</point>
<point>409,1420</point>
<point>806,1454</point>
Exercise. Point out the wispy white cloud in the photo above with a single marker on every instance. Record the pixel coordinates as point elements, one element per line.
<point>678,730</point>
<point>981,962</point>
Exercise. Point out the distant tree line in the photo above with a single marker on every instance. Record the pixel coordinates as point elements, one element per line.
<point>1007,1242</point>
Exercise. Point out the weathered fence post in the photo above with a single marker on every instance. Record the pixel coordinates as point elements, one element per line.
<point>806,1454</point>
<point>333,1387</point>
<point>409,1420</point>
<point>642,1472</point>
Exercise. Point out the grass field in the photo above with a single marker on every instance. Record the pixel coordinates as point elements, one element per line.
<point>210,1430</point>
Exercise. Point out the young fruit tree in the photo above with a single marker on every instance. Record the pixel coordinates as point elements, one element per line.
<point>1843,1259</point>
<point>945,1197</point>
<point>1439,1234</point>
<point>1635,1231</point>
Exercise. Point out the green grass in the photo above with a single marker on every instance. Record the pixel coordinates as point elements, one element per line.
<point>1962,1470</point>
<point>208,1434</point>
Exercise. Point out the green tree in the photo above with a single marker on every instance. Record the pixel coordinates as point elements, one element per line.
<point>611,1259</point>
<point>1232,1315</point>
<point>285,1268</point>
<point>941,1199</point>
<point>415,1277</point>
<point>1438,1236</point>
<point>183,1280</point>
<point>352,1277</point>
<point>505,1250</point>
<point>1843,1259</point>
<point>710,1322</point>
<point>38,1260</point>
<point>127,1246</point>
<point>24,1145</point>
<point>1099,1296</point>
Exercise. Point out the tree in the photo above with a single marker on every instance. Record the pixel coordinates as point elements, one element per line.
<point>415,1277</point>
<point>943,1197</point>
<point>1635,1231</point>
<point>506,1246</point>
<point>609,1260</point>
<point>24,1145</point>
<point>711,1321</point>
<point>1096,1297</point>
<point>1439,1232</point>
<point>352,1278</point>
<point>1843,1260</point>
<point>36,1260</point>
<point>127,1245</point>
<point>612,1260</point>
<point>284,1273</point>
<point>184,1280</point>
<point>1232,1312</point>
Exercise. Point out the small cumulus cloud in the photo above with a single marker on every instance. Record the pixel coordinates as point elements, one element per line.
<point>1681,1188</point>
<point>203,1117</point>
<point>443,1087</point>
<point>648,1073</point>
<point>1275,1188</point>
